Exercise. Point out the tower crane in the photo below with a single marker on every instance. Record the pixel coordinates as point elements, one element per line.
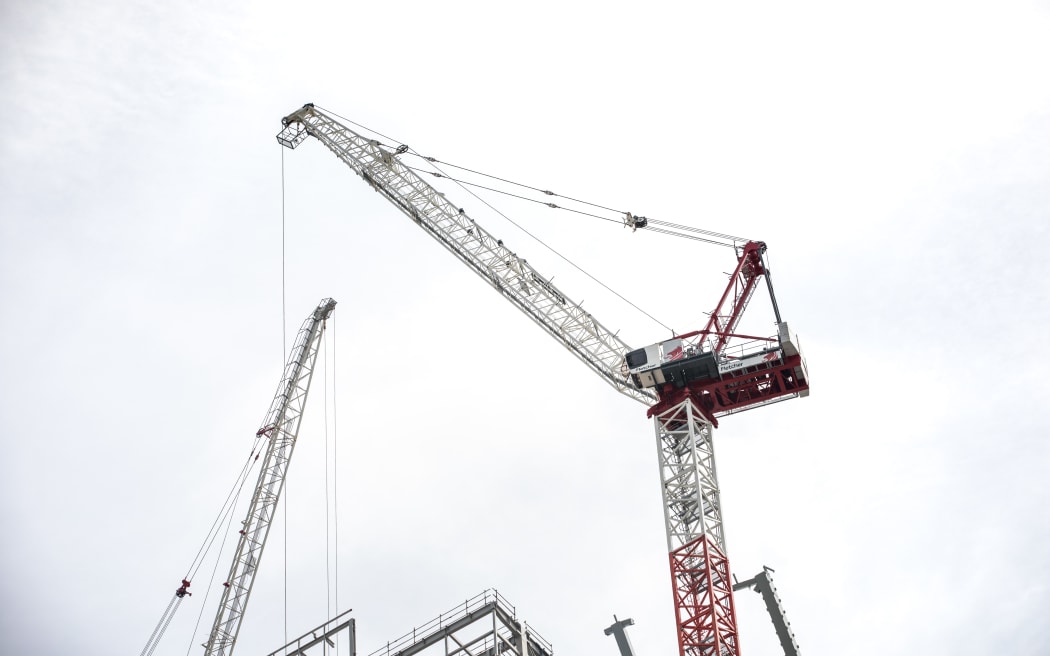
<point>687,382</point>
<point>281,429</point>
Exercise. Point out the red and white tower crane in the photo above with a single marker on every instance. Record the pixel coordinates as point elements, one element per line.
<point>688,382</point>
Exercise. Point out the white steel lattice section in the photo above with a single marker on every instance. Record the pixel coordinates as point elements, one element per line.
<point>700,575</point>
<point>687,477</point>
<point>512,276</point>
<point>281,428</point>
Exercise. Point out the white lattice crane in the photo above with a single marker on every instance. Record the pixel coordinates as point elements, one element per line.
<point>280,429</point>
<point>687,382</point>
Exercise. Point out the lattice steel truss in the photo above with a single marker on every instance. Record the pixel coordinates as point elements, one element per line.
<point>281,428</point>
<point>532,293</point>
<point>485,625</point>
<point>700,576</point>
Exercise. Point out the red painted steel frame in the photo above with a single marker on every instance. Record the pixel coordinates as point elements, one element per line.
<point>741,286</point>
<point>703,599</point>
<point>751,386</point>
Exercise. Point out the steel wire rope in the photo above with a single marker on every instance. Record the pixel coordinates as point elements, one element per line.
<point>227,507</point>
<point>649,227</point>
<point>518,196</point>
<point>702,231</point>
<point>665,227</point>
<point>335,472</point>
<point>214,571</point>
<point>676,234</point>
<point>512,222</point>
<point>547,192</point>
<point>652,225</point>
<point>563,258</point>
<point>363,127</point>
<point>163,629</point>
<point>327,512</point>
<point>147,649</point>
<point>284,350</point>
<point>226,510</point>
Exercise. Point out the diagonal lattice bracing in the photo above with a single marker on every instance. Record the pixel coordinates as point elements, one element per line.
<point>700,576</point>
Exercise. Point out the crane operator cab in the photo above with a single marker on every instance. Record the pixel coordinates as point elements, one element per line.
<point>674,361</point>
<point>679,361</point>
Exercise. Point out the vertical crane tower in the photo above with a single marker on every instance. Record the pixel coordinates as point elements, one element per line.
<point>687,382</point>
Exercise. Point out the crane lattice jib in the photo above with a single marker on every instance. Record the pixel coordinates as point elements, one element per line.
<point>281,428</point>
<point>513,277</point>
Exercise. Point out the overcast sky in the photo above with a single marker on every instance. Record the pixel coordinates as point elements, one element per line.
<point>894,158</point>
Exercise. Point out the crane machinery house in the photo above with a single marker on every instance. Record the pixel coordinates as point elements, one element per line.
<point>678,362</point>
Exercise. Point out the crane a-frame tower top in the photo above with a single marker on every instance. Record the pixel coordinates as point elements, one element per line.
<point>687,382</point>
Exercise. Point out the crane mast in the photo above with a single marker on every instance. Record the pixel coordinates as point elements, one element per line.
<point>684,398</point>
<point>281,428</point>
